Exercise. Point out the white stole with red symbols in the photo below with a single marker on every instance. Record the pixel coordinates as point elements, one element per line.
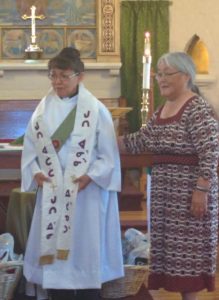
<point>59,195</point>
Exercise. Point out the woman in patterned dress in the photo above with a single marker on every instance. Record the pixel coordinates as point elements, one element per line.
<point>183,137</point>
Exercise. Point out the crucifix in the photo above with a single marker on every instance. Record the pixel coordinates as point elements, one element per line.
<point>33,48</point>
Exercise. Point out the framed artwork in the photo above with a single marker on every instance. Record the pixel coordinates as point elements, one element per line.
<point>84,40</point>
<point>51,40</point>
<point>91,26</point>
<point>14,43</point>
<point>56,12</point>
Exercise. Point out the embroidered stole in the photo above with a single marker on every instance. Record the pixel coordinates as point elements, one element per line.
<point>63,131</point>
<point>59,195</point>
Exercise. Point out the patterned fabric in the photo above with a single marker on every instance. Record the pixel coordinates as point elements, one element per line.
<point>183,248</point>
<point>175,159</point>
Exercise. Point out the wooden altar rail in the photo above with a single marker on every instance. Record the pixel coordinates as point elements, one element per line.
<point>11,160</point>
<point>14,117</point>
<point>15,114</point>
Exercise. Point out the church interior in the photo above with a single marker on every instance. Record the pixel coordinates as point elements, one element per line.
<point>192,27</point>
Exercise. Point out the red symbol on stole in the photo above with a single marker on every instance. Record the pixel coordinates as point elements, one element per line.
<point>56,144</point>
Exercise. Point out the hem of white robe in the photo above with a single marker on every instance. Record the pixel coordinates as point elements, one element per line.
<point>35,290</point>
<point>81,280</point>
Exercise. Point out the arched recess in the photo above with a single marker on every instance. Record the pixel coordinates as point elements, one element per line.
<point>197,49</point>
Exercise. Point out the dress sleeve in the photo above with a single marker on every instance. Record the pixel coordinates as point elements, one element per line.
<point>203,129</point>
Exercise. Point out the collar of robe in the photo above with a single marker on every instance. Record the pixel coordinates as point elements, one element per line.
<point>70,96</point>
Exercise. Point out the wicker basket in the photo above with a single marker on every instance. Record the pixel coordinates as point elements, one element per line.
<point>128,285</point>
<point>10,274</point>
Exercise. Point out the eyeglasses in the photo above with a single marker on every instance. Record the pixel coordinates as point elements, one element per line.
<point>62,77</point>
<point>159,75</point>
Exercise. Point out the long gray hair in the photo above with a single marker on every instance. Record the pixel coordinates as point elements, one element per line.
<point>183,63</point>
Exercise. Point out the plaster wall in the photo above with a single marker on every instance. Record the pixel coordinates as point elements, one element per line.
<point>201,17</point>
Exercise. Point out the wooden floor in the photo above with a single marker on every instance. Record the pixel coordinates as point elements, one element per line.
<point>134,217</point>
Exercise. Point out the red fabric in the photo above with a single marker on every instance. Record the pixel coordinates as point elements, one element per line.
<point>177,283</point>
<point>175,159</point>
<point>6,140</point>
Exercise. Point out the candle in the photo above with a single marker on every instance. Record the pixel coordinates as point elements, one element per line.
<point>33,25</point>
<point>146,62</point>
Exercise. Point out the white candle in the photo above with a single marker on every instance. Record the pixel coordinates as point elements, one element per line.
<point>33,24</point>
<point>146,62</point>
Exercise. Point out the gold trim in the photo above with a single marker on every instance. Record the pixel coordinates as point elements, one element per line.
<point>62,254</point>
<point>108,30</point>
<point>46,260</point>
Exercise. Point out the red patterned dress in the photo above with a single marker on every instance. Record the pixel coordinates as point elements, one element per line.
<point>184,147</point>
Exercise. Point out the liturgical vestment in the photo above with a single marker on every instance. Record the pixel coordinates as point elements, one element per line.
<point>95,254</point>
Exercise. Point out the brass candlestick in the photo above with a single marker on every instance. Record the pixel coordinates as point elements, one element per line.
<point>145,107</point>
<point>33,51</point>
<point>146,60</point>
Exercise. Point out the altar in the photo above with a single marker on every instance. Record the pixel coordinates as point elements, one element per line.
<point>14,115</point>
<point>10,160</point>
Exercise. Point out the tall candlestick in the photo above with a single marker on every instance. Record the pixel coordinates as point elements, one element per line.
<point>146,62</point>
<point>146,79</point>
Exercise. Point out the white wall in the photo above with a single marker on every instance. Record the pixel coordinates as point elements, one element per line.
<point>201,17</point>
<point>22,80</point>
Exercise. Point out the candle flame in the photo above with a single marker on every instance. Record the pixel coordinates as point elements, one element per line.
<point>147,46</point>
<point>147,34</point>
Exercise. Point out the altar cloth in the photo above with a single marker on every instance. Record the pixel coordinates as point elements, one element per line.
<point>19,216</point>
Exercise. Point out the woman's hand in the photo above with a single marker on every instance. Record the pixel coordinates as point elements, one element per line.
<point>199,204</point>
<point>83,181</point>
<point>40,178</point>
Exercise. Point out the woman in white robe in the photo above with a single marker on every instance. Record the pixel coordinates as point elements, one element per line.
<point>95,254</point>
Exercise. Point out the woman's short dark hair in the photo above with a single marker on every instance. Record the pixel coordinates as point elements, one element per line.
<point>68,58</point>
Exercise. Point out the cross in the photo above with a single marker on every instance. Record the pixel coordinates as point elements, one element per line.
<point>73,178</point>
<point>33,18</point>
<point>53,186</point>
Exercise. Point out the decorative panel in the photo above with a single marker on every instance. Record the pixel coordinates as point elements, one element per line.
<point>92,26</point>
<point>109,30</point>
